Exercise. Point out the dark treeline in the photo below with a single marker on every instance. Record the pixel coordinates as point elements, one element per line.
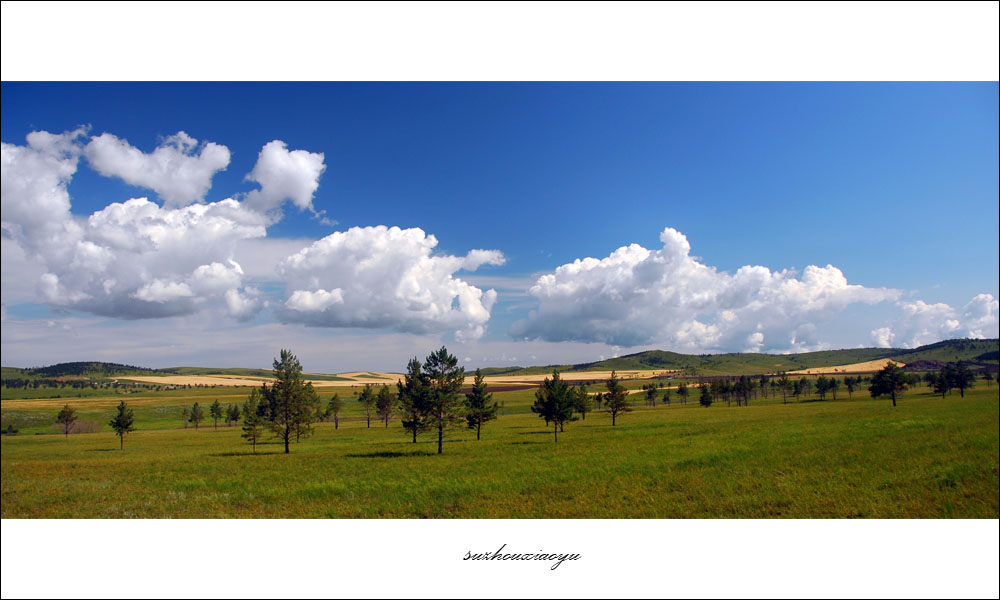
<point>100,369</point>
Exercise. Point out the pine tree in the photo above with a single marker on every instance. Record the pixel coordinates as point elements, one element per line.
<point>384,404</point>
<point>583,403</point>
<point>962,378</point>
<point>412,398</point>
<point>554,402</point>
<point>289,401</point>
<point>333,409</point>
<point>253,422</point>
<point>616,398</point>
<point>941,383</point>
<point>123,422</point>
<point>367,399</point>
<point>185,415</point>
<point>66,418</point>
<point>308,411</point>
<point>197,415</point>
<point>890,381</point>
<point>444,378</point>
<point>650,394</point>
<point>216,412</point>
<point>785,384</point>
<point>706,396</point>
<point>479,405</point>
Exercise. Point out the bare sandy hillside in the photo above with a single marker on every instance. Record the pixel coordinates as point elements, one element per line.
<point>861,367</point>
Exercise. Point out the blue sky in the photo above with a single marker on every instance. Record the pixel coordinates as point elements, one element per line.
<point>893,185</point>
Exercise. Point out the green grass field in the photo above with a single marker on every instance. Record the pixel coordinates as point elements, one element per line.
<point>927,458</point>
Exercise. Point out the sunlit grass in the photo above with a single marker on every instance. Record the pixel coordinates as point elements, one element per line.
<point>928,457</point>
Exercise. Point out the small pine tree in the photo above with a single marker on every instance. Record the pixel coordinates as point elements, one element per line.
<point>706,396</point>
<point>584,403</point>
<point>66,418</point>
<point>185,415</point>
<point>479,405</point>
<point>384,404</point>
<point>253,422</point>
<point>123,422</point>
<point>216,412</point>
<point>890,381</point>
<point>333,409</point>
<point>963,378</point>
<point>616,398</point>
<point>554,401</point>
<point>412,394</point>
<point>367,398</point>
<point>197,415</point>
<point>650,394</point>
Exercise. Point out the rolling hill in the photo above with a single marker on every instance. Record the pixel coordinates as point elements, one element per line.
<point>733,363</point>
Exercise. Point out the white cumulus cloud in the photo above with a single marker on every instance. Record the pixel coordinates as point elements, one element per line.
<point>284,174</point>
<point>34,201</point>
<point>173,170</point>
<point>920,323</point>
<point>386,277</point>
<point>138,260</point>
<point>639,296</point>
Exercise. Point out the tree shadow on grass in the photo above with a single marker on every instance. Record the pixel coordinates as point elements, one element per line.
<point>104,450</point>
<point>389,454</point>
<point>247,453</point>
<point>549,432</point>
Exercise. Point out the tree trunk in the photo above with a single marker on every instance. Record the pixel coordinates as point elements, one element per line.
<point>336,422</point>
<point>122,438</point>
<point>555,430</point>
<point>440,437</point>
<point>613,419</point>
<point>287,436</point>
<point>894,398</point>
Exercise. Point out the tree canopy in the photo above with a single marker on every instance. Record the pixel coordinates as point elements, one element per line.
<point>123,422</point>
<point>479,405</point>
<point>66,418</point>
<point>554,402</point>
<point>444,385</point>
<point>616,399</point>
<point>890,381</point>
<point>289,401</point>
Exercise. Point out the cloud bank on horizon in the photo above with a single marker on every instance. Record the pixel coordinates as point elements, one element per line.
<point>139,259</point>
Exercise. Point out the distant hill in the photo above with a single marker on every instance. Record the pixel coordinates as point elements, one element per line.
<point>90,370</point>
<point>733,363</point>
<point>740,363</point>
<point>953,351</point>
